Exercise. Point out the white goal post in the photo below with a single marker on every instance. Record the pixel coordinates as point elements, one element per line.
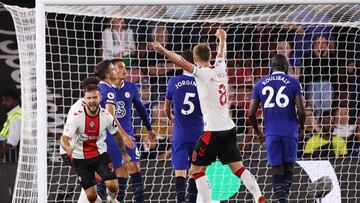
<point>84,7</point>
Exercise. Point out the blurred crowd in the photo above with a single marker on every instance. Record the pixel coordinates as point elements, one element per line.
<point>323,58</point>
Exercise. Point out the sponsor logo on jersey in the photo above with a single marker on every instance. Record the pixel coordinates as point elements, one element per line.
<point>127,95</point>
<point>120,110</point>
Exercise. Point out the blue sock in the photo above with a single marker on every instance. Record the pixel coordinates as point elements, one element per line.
<point>192,191</point>
<point>279,188</point>
<point>122,188</point>
<point>101,190</point>
<point>180,187</point>
<point>288,180</point>
<point>138,187</point>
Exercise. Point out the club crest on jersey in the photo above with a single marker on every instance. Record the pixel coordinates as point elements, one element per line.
<point>92,124</point>
<point>111,95</point>
<point>127,95</point>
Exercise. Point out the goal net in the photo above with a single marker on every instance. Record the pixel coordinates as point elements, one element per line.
<point>321,42</point>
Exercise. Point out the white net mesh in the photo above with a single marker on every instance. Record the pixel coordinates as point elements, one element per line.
<point>321,42</point>
<point>25,186</point>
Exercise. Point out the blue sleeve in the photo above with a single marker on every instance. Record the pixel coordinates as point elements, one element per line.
<point>141,109</point>
<point>298,89</point>
<point>255,94</point>
<point>168,95</point>
<point>108,95</point>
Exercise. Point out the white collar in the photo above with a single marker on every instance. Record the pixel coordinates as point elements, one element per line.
<point>102,82</point>
<point>278,72</point>
<point>187,73</point>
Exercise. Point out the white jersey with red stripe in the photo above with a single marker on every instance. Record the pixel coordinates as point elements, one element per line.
<point>77,106</point>
<point>212,86</point>
<point>88,133</point>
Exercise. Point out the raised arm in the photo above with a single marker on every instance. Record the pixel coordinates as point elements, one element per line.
<point>175,58</point>
<point>221,35</point>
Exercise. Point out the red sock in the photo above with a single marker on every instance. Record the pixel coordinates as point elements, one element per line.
<point>239,172</point>
<point>198,175</point>
<point>261,199</point>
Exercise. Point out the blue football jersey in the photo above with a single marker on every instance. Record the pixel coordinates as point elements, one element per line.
<point>188,119</point>
<point>125,95</point>
<point>107,93</point>
<point>277,93</point>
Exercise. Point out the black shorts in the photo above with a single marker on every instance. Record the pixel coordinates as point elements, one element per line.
<point>216,144</point>
<point>86,168</point>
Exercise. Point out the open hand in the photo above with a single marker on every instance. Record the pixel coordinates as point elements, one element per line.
<point>129,141</point>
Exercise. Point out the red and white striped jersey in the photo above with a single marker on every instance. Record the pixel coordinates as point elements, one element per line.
<point>88,133</point>
<point>78,106</point>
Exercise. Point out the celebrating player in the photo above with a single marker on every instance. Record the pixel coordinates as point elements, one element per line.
<point>77,106</point>
<point>219,138</point>
<point>278,94</point>
<point>188,126</point>
<point>107,73</point>
<point>84,138</point>
<point>126,94</point>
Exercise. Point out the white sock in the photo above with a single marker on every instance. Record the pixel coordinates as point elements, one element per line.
<point>251,184</point>
<point>83,197</point>
<point>203,187</point>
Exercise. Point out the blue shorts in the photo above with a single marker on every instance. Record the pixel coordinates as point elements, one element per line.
<point>134,153</point>
<point>181,154</point>
<point>114,151</point>
<point>281,149</point>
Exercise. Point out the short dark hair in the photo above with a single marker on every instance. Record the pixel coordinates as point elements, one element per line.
<point>115,60</point>
<point>89,81</point>
<point>279,62</point>
<point>202,51</point>
<point>91,87</point>
<point>102,68</point>
<point>12,93</point>
<point>188,55</point>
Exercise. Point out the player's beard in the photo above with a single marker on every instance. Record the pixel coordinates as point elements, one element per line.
<point>93,108</point>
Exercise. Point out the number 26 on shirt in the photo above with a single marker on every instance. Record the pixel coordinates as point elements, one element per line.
<point>281,100</point>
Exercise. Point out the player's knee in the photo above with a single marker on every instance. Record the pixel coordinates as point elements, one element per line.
<point>112,185</point>
<point>196,169</point>
<point>133,168</point>
<point>288,166</point>
<point>278,170</point>
<point>122,171</point>
<point>91,196</point>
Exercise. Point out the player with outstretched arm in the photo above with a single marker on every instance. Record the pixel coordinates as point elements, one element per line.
<point>219,138</point>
